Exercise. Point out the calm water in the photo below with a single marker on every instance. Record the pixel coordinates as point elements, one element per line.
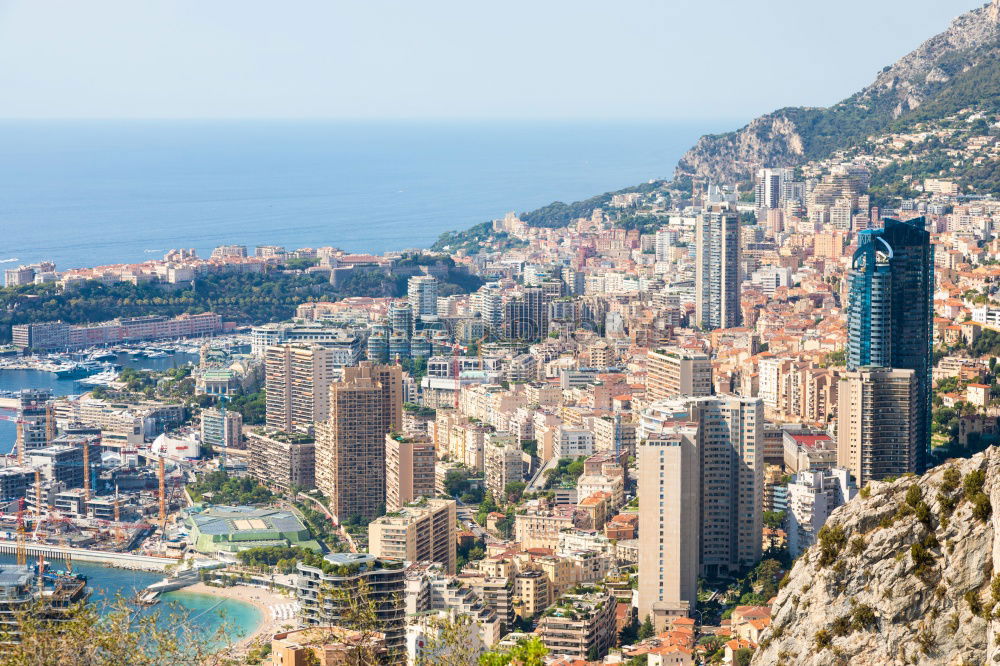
<point>13,380</point>
<point>85,193</point>
<point>206,612</point>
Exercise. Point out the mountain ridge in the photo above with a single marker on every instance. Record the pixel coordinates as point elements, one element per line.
<point>792,136</point>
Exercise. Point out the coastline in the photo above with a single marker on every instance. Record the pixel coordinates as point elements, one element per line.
<point>262,599</point>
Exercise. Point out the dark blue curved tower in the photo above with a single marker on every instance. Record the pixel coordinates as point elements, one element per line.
<point>890,310</point>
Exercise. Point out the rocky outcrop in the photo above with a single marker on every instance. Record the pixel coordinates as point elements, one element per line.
<point>770,139</point>
<point>902,574</point>
<point>792,136</point>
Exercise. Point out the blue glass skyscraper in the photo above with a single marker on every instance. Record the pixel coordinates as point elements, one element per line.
<point>890,310</point>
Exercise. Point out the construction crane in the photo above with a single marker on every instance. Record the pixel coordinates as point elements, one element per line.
<point>38,495</point>
<point>21,548</point>
<point>119,535</point>
<point>86,471</point>
<point>20,441</point>
<point>163,495</point>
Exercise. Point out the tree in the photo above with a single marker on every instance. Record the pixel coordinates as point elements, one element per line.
<point>449,642</point>
<point>774,519</point>
<point>646,629</point>
<point>742,657</point>
<point>514,490</point>
<point>110,633</point>
<point>529,652</point>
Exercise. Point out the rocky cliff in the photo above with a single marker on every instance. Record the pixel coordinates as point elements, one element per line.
<point>906,573</point>
<point>791,136</point>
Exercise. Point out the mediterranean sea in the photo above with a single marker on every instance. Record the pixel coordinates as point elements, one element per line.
<point>202,614</point>
<point>84,193</point>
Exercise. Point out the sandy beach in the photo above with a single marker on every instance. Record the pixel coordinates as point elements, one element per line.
<point>263,599</point>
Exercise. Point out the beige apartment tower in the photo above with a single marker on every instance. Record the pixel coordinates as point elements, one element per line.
<point>297,382</point>
<point>712,446</point>
<point>877,434</point>
<point>423,531</point>
<point>675,372</point>
<point>669,523</point>
<point>350,446</point>
<point>409,470</point>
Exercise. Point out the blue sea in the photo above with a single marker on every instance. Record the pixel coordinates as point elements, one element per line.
<point>203,613</point>
<point>93,192</point>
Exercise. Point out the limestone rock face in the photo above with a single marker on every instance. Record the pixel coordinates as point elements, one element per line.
<point>787,137</point>
<point>902,574</point>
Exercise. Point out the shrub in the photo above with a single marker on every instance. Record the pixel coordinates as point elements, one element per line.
<point>785,580</point>
<point>947,504</point>
<point>841,626</point>
<point>981,507</point>
<point>913,495</point>
<point>823,639</point>
<point>857,545</point>
<point>866,491</point>
<point>863,617</point>
<point>922,559</point>
<point>975,604</point>
<point>973,483</point>
<point>831,541</point>
<point>923,513</point>
<point>952,477</point>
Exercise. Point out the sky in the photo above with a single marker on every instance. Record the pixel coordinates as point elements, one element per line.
<point>555,59</point>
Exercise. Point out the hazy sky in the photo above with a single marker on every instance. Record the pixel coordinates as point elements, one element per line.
<point>673,59</point>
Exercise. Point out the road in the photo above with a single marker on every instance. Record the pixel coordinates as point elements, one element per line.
<point>466,516</point>
<point>333,519</point>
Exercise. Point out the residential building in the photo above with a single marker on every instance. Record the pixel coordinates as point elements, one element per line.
<point>731,467</point>
<point>504,463</point>
<point>326,595</point>
<point>670,523</point>
<point>221,428</point>
<point>812,497</point>
<point>422,294</point>
<point>890,312</point>
<point>579,625</point>
<point>350,446</point>
<point>878,423</point>
<point>297,382</point>
<point>280,459</point>
<point>422,531</point>
<point>673,372</point>
<point>717,268</point>
<point>409,469</point>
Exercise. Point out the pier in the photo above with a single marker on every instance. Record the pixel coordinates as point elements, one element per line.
<point>120,560</point>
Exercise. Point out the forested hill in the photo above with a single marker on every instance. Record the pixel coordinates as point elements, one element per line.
<point>957,69</point>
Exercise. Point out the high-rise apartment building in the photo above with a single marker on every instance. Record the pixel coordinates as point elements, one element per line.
<point>326,598</point>
<point>282,460</point>
<point>221,428</point>
<point>297,382</point>
<point>714,444</point>
<point>422,293</point>
<point>673,372</point>
<point>526,315</point>
<point>350,446</point>
<point>878,423</point>
<point>423,531</point>
<point>769,188</point>
<point>409,470</point>
<point>890,311</point>
<point>669,523</point>
<point>717,268</point>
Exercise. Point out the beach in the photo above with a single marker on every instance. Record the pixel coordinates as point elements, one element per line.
<point>264,600</point>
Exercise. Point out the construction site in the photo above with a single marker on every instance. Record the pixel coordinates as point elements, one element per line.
<point>69,492</point>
